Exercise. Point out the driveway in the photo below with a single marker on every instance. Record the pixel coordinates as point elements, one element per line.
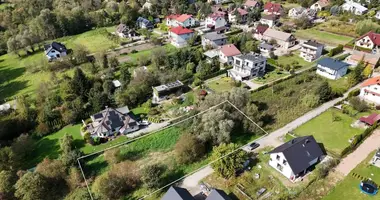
<point>148,129</point>
<point>353,159</point>
<point>191,182</point>
<point>252,85</point>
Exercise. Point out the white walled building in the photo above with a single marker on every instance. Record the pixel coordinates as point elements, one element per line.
<point>354,7</point>
<point>370,40</point>
<point>311,50</point>
<point>331,68</point>
<point>295,158</point>
<point>183,20</point>
<point>247,66</point>
<point>370,90</point>
<point>284,40</point>
<point>179,36</point>
<point>55,50</point>
<point>216,20</point>
<point>227,52</point>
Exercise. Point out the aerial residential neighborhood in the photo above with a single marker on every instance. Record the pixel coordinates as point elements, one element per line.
<point>190,99</point>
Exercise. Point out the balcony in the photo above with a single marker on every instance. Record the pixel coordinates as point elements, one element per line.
<point>307,50</point>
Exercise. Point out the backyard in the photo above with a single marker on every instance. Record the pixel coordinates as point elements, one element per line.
<point>223,84</point>
<point>292,59</point>
<point>348,189</point>
<point>133,57</point>
<point>271,74</point>
<point>322,36</point>
<point>336,130</point>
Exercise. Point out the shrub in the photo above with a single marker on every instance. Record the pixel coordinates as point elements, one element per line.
<point>358,104</point>
<point>335,51</point>
<point>188,149</point>
<point>323,169</point>
<point>113,156</point>
<point>354,93</point>
<point>152,175</point>
<point>197,82</point>
<point>134,51</point>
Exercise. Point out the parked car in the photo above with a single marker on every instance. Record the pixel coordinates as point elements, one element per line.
<point>144,122</point>
<point>253,146</point>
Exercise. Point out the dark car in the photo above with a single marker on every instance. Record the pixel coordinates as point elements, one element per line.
<point>253,146</point>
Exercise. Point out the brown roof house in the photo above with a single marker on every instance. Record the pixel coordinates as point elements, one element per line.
<point>110,121</point>
<point>284,40</point>
<point>259,32</point>
<point>227,52</point>
<point>368,58</point>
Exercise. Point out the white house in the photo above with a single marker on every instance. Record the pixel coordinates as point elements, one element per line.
<point>370,40</point>
<point>295,158</point>
<point>216,20</point>
<point>270,20</point>
<point>258,32</point>
<point>311,50</point>
<point>354,7</point>
<point>247,66</point>
<point>144,23</point>
<point>179,36</point>
<point>124,31</point>
<point>296,12</point>
<point>55,50</point>
<point>273,8</point>
<point>111,122</point>
<point>213,40</point>
<point>251,4</point>
<point>331,68</point>
<point>227,52</point>
<point>232,16</point>
<point>370,90</point>
<point>284,40</point>
<point>320,5</point>
<point>183,20</point>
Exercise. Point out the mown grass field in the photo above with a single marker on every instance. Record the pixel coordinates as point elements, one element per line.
<point>133,57</point>
<point>223,84</point>
<point>322,36</point>
<point>292,59</point>
<point>348,189</point>
<point>335,134</point>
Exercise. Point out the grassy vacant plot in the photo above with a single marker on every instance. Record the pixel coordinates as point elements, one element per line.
<point>341,84</point>
<point>322,36</point>
<point>293,59</point>
<point>348,189</point>
<point>271,74</point>
<point>133,57</point>
<point>338,27</point>
<point>224,84</point>
<point>335,133</point>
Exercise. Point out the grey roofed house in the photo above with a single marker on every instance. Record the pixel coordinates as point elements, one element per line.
<point>214,36</point>
<point>252,57</point>
<point>55,46</point>
<point>332,63</point>
<point>177,193</point>
<point>124,31</point>
<point>270,17</point>
<point>313,43</point>
<point>144,23</point>
<point>266,46</point>
<point>279,35</point>
<point>218,195</point>
<point>299,152</point>
<point>161,92</point>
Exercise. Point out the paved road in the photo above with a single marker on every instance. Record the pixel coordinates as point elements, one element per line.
<point>352,160</point>
<point>271,139</point>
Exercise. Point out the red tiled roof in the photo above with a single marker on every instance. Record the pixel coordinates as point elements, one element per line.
<point>250,3</point>
<point>229,50</point>
<point>371,119</point>
<point>217,14</point>
<point>374,37</point>
<point>242,11</point>
<point>260,29</point>
<point>174,16</point>
<point>272,7</point>
<point>371,81</point>
<point>183,17</point>
<point>179,30</point>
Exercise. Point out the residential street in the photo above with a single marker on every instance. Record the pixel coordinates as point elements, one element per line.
<point>191,181</point>
<point>353,159</point>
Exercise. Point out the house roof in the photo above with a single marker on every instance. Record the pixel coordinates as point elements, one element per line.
<point>332,63</point>
<point>299,10</point>
<point>368,58</point>
<point>121,27</point>
<point>371,119</point>
<point>144,21</point>
<point>173,16</point>
<point>177,193</point>
<point>184,17</point>
<point>179,30</point>
<point>260,29</point>
<point>323,3</point>
<point>240,11</point>
<point>270,17</point>
<point>313,43</point>
<point>357,6</point>
<point>250,3</point>
<point>374,37</point>
<point>251,57</point>
<point>56,46</point>
<point>272,7</point>
<point>168,86</point>
<point>230,50</point>
<point>371,81</point>
<point>211,53</point>
<point>214,36</point>
<point>217,14</point>
<point>299,152</point>
<point>279,35</point>
<point>266,46</point>
<point>218,195</point>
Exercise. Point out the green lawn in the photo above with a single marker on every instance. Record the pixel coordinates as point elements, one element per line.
<point>321,36</point>
<point>333,134</point>
<point>223,84</point>
<point>269,77</point>
<point>293,59</point>
<point>348,189</point>
<point>4,5</point>
<point>146,53</point>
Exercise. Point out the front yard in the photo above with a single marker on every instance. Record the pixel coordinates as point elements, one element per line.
<point>322,36</point>
<point>348,189</point>
<point>271,75</point>
<point>332,128</point>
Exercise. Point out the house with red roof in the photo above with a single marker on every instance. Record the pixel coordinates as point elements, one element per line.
<point>370,40</point>
<point>259,32</point>
<point>179,36</point>
<point>227,52</point>
<point>251,4</point>
<point>273,8</point>
<point>216,20</point>
<point>183,20</point>
<point>370,90</point>
<point>371,119</point>
<point>236,13</point>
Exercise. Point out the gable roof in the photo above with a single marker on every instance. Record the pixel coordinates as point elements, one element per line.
<point>369,58</point>
<point>279,35</point>
<point>217,14</point>
<point>270,17</point>
<point>357,6</point>
<point>332,63</point>
<point>177,193</point>
<point>272,7</point>
<point>260,29</point>
<point>229,50</point>
<point>313,43</point>
<point>299,152</point>
<point>218,195</point>
<point>184,17</point>
<point>179,30</point>
<point>240,11</point>
<point>144,21</point>
<point>371,81</point>
<point>214,36</point>
<point>374,37</point>
<point>55,46</point>
<point>323,3</point>
<point>250,3</point>
<point>173,16</point>
<point>121,27</point>
<point>371,119</point>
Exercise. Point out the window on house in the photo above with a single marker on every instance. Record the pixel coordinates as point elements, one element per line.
<point>278,157</point>
<point>279,167</point>
<point>284,162</point>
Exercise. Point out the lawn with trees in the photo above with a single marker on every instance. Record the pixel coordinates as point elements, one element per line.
<point>322,36</point>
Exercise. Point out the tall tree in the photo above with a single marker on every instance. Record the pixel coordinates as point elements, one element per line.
<point>32,186</point>
<point>80,84</point>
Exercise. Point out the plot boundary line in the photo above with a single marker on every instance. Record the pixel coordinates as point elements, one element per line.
<point>166,127</point>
